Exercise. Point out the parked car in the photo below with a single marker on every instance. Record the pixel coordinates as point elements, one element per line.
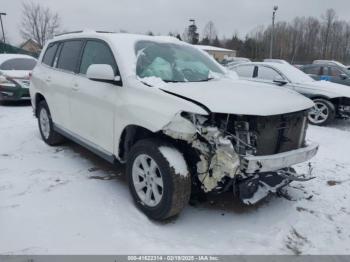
<point>331,100</point>
<point>15,72</point>
<point>333,72</point>
<point>179,120</point>
<point>279,61</point>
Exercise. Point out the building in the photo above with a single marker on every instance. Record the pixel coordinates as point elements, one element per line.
<point>31,46</point>
<point>217,52</point>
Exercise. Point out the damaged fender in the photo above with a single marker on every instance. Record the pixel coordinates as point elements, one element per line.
<point>218,158</point>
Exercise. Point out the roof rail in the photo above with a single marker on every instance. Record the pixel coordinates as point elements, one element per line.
<point>86,30</point>
<point>72,32</point>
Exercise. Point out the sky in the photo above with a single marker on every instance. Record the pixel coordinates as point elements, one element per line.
<point>162,16</point>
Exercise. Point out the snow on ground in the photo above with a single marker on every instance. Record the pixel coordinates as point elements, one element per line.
<point>65,200</point>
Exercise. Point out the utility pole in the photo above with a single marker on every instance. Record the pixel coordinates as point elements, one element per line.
<point>192,32</point>
<point>2,27</point>
<point>273,28</point>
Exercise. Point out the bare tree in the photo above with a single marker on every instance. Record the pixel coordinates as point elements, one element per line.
<point>38,22</point>
<point>210,32</point>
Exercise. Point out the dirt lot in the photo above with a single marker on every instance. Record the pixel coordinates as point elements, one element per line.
<point>64,200</point>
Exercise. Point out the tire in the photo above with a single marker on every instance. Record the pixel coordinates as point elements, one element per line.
<point>163,202</point>
<point>48,134</point>
<point>322,113</point>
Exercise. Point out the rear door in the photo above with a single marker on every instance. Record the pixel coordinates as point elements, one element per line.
<point>92,103</point>
<point>61,80</point>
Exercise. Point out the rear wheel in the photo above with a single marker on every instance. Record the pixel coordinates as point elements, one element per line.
<point>322,113</point>
<point>48,134</point>
<point>154,181</point>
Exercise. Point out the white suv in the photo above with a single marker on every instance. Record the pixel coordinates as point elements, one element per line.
<point>182,124</point>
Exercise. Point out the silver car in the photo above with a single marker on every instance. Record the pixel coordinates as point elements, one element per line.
<point>331,100</point>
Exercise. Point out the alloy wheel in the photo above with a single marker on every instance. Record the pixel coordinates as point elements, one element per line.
<point>147,180</point>
<point>319,113</point>
<point>44,123</point>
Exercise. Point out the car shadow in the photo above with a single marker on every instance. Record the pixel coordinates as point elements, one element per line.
<point>341,124</point>
<point>15,103</point>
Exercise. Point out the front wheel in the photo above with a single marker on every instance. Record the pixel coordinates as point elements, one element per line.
<point>158,178</point>
<point>322,113</point>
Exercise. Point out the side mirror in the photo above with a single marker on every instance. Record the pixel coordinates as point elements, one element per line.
<point>280,81</point>
<point>101,72</point>
<point>343,76</point>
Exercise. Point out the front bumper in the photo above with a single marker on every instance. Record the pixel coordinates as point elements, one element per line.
<point>14,93</point>
<point>260,164</point>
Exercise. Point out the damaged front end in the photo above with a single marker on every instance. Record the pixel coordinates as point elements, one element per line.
<point>250,155</point>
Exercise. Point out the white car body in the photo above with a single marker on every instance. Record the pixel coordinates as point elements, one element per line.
<point>99,114</point>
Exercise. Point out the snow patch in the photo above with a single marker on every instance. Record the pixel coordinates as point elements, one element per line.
<point>175,159</point>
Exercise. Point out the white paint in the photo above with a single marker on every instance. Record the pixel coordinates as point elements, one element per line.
<point>102,72</point>
<point>242,97</point>
<point>175,159</point>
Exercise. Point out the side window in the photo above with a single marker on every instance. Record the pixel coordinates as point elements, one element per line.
<point>69,55</point>
<point>96,52</point>
<point>49,54</point>
<point>245,71</point>
<point>334,72</point>
<point>266,73</point>
<point>312,70</point>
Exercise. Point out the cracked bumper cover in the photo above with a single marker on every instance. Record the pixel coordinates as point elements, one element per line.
<point>259,164</point>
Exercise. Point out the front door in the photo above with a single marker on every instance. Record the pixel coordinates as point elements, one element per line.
<point>92,103</point>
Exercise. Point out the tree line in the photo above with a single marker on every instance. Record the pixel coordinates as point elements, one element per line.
<point>302,40</point>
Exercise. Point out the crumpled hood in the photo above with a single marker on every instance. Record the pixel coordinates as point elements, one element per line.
<point>330,89</point>
<point>241,97</point>
<point>16,73</point>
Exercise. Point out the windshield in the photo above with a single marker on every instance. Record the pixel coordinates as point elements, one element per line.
<point>18,64</point>
<point>294,74</point>
<point>174,62</point>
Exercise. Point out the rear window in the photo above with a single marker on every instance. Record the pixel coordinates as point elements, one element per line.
<point>18,64</point>
<point>69,56</point>
<point>50,54</point>
<point>245,71</point>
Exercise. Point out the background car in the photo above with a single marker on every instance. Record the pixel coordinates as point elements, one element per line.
<point>236,61</point>
<point>15,70</point>
<point>330,71</point>
<point>279,61</point>
<point>331,100</point>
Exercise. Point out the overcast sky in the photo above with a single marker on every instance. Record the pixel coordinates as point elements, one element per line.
<point>162,16</point>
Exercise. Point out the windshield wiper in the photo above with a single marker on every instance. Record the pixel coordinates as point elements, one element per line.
<point>173,81</point>
<point>204,80</point>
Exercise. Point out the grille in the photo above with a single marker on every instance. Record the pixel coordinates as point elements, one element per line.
<point>278,134</point>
